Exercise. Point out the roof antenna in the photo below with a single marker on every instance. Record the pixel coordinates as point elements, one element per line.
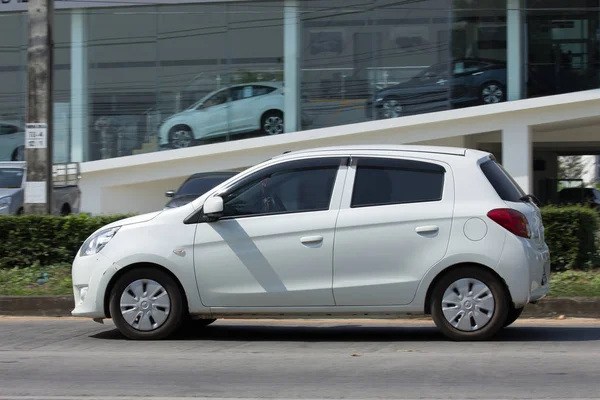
<point>288,151</point>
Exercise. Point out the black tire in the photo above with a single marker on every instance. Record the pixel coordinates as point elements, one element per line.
<point>181,136</point>
<point>196,323</point>
<point>498,291</point>
<point>275,127</point>
<point>176,314</point>
<point>18,154</point>
<point>65,210</point>
<point>501,88</point>
<point>513,315</point>
<point>21,211</point>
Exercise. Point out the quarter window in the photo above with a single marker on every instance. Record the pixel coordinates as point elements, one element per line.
<point>291,189</point>
<point>393,181</point>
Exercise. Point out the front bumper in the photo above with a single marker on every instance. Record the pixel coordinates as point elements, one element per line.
<point>91,276</point>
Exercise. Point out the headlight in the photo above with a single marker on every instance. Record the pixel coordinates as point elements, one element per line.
<point>5,202</point>
<point>379,100</point>
<point>96,242</point>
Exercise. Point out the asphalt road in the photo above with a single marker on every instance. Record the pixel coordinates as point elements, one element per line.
<point>66,358</point>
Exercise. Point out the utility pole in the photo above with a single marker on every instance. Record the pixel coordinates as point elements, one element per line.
<point>38,132</point>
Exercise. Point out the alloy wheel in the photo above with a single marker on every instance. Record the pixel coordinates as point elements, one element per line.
<point>392,108</point>
<point>181,138</point>
<point>492,94</point>
<point>273,125</point>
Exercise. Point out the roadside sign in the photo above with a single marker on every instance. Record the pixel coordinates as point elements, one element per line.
<point>36,136</point>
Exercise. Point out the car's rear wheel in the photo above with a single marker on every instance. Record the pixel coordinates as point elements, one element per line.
<point>513,315</point>
<point>469,303</point>
<point>272,123</point>
<point>18,154</point>
<point>492,93</point>
<point>181,136</point>
<point>147,304</point>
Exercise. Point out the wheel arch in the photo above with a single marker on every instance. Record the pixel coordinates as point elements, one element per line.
<point>270,110</point>
<point>442,273</point>
<point>141,265</point>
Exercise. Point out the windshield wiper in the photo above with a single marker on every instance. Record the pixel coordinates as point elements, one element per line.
<point>531,199</point>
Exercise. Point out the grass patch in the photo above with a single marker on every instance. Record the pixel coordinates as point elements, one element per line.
<point>575,283</point>
<point>57,281</point>
<point>36,281</point>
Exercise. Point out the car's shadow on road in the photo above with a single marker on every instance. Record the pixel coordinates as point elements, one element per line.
<point>361,333</point>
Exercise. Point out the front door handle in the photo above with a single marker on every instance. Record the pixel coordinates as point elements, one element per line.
<point>427,229</point>
<point>312,239</point>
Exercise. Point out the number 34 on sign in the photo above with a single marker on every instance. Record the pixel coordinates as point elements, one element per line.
<point>36,136</point>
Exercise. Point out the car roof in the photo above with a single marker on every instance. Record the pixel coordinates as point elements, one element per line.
<point>440,150</point>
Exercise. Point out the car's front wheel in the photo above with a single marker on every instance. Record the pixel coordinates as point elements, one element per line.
<point>469,303</point>
<point>391,108</point>
<point>181,136</point>
<point>146,303</point>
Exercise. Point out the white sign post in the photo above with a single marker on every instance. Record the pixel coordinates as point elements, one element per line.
<point>36,136</point>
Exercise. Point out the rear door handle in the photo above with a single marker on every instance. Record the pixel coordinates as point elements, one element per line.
<point>312,239</point>
<point>427,229</point>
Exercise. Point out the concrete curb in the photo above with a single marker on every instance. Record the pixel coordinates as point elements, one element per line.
<point>61,306</point>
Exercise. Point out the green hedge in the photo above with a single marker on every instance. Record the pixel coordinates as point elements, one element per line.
<point>45,240</point>
<point>50,240</point>
<point>571,234</point>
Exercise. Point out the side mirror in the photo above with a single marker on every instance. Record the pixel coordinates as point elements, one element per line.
<point>213,207</point>
<point>170,193</point>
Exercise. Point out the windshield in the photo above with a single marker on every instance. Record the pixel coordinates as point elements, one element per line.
<point>199,186</point>
<point>11,178</point>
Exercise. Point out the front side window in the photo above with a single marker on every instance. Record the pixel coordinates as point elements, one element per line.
<point>297,188</point>
<point>216,99</point>
<point>392,181</point>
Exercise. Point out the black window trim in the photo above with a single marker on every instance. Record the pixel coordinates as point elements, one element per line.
<point>355,161</point>
<point>296,165</point>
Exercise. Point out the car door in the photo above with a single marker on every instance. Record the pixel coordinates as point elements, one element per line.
<point>465,78</point>
<point>273,246</point>
<point>211,117</point>
<point>432,91</point>
<point>242,103</point>
<point>394,224</point>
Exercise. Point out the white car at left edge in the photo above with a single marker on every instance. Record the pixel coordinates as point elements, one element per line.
<point>12,142</point>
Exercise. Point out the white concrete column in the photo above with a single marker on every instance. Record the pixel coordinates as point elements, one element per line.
<point>517,155</point>
<point>515,49</point>
<point>79,86</point>
<point>291,61</point>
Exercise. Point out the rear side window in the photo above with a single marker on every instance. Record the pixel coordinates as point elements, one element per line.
<point>381,181</point>
<point>503,183</point>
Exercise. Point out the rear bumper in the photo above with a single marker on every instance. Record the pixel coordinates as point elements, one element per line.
<point>526,270</point>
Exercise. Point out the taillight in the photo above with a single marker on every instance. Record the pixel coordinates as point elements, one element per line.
<point>512,220</point>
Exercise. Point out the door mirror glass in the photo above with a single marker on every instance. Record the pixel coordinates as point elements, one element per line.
<point>213,207</point>
<point>170,193</point>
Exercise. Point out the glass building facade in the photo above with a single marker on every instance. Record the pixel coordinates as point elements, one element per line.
<point>137,79</point>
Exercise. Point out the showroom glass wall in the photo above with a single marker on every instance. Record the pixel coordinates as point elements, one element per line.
<point>130,80</point>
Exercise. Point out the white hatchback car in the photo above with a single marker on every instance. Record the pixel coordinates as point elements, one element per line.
<point>236,109</point>
<point>372,232</point>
